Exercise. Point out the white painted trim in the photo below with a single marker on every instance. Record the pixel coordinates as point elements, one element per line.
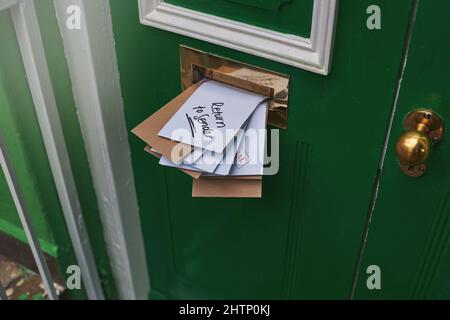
<point>6,4</point>
<point>33,56</point>
<point>92,61</point>
<point>313,54</point>
<point>27,225</point>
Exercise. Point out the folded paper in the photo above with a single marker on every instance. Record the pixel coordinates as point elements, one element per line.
<point>149,128</point>
<point>230,167</point>
<point>211,116</point>
<point>193,174</point>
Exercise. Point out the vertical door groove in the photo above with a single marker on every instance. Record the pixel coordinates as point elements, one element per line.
<point>438,237</point>
<point>302,164</point>
<point>401,73</point>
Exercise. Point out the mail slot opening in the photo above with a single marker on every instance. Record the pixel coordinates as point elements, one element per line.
<point>216,129</point>
<point>197,65</point>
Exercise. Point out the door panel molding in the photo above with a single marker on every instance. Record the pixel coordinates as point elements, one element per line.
<point>312,54</point>
<point>293,268</point>
<point>435,248</point>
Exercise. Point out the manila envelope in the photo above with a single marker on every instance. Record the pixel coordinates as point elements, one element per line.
<point>148,129</point>
<point>226,188</point>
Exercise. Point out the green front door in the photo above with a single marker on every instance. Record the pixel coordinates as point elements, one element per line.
<point>409,237</point>
<point>303,238</point>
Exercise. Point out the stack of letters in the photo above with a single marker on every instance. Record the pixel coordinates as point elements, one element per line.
<point>215,133</point>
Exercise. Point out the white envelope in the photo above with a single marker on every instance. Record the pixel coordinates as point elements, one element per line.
<point>230,154</point>
<point>166,162</point>
<point>212,116</point>
<point>209,162</point>
<point>250,155</point>
<point>194,156</point>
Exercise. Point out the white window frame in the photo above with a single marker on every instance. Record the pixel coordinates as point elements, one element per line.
<point>312,54</point>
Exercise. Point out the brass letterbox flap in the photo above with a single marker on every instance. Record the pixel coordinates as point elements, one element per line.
<point>196,65</point>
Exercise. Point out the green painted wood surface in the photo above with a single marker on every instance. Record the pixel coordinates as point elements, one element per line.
<point>288,16</point>
<point>271,5</point>
<point>301,240</point>
<point>409,237</point>
<point>19,125</point>
<point>22,136</point>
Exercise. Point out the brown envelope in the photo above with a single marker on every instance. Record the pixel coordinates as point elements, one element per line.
<point>218,187</point>
<point>149,128</point>
<point>226,188</point>
<point>193,174</point>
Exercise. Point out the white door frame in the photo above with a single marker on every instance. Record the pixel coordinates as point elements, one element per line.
<point>92,61</point>
<point>28,34</point>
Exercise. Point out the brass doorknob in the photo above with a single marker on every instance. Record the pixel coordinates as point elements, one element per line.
<point>423,129</point>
